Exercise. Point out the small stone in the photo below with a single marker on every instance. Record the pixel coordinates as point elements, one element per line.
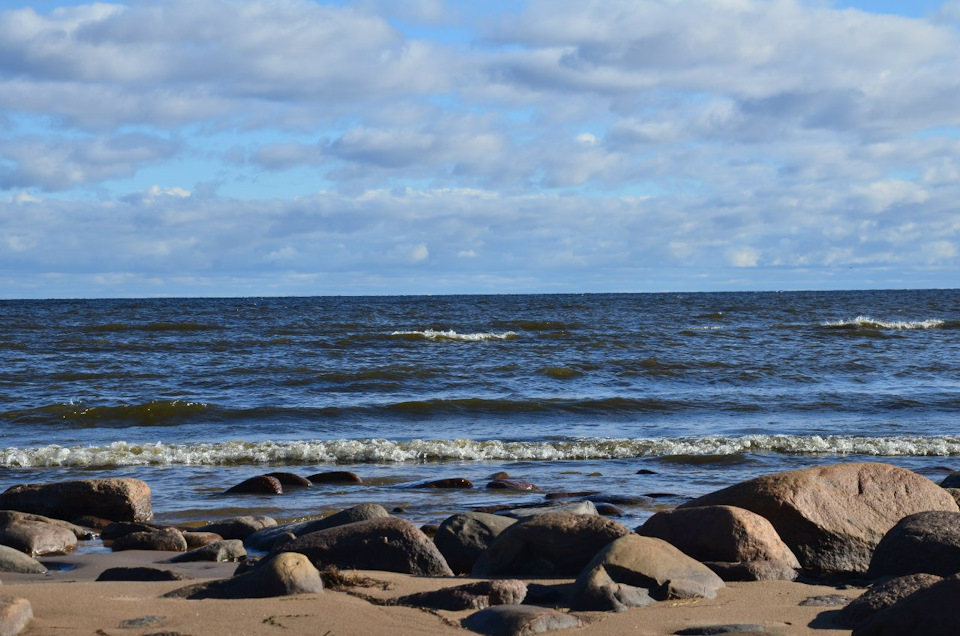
<point>512,484</point>
<point>15,615</point>
<point>142,621</point>
<point>827,600</point>
<point>518,620</point>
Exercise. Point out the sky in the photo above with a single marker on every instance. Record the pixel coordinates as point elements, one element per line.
<point>297,147</point>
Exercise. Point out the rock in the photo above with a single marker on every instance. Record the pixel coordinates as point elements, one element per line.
<point>735,629</point>
<point>290,479</point>
<point>554,544</point>
<point>923,542</point>
<point>12,516</point>
<point>239,527</point>
<point>199,539</point>
<point>218,551</point>
<point>470,596</point>
<point>267,539</point>
<point>608,510</point>
<point>572,507</point>
<point>282,574</point>
<point>259,485</point>
<point>15,615</point>
<point>571,495</point>
<point>462,537</point>
<point>518,620</point>
<point>117,499</point>
<point>114,531</point>
<point>13,560</point>
<point>429,529</point>
<point>743,540</point>
<point>646,471</point>
<point>955,493</point>
<point>663,571</point>
<point>597,591</point>
<point>335,477</point>
<point>499,475</point>
<point>36,538</point>
<point>764,570</point>
<point>927,612</point>
<point>826,600</point>
<point>882,596</point>
<point>832,517</point>
<point>452,482</point>
<point>512,484</point>
<point>390,544</point>
<point>141,574</point>
<point>164,539</point>
<point>89,521</point>
<point>951,481</point>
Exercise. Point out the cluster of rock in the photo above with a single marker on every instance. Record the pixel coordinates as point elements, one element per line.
<point>865,521</point>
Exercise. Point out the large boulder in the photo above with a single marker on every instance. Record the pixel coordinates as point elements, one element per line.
<point>163,539</point>
<point>391,544</point>
<point>833,517</point>
<point>279,575</point>
<point>634,569</point>
<point>743,544</point>
<point>12,516</point>
<point>553,544</point>
<point>13,560</point>
<point>926,542</point>
<point>239,527</point>
<point>882,596</point>
<point>269,538</point>
<point>927,612</point>
<point>462,537</point>
<point>35,538</point>
<point>117,499</point>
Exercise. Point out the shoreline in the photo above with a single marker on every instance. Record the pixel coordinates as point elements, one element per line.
<point>71,602</point>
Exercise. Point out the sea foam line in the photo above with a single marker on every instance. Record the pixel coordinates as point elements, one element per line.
<point>865,322</point>
<point>431,334</point>
<point>389,451</point>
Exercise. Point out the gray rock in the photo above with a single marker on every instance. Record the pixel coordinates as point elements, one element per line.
<point>15,615</point>
<point>642,562</point>
<point>113,531</point>
<point>218,551</point>
<point>462,537</point>
<point>882,596</point>
<point>928,612</point>
<point>951,481</point>
<point>164,539</point>
<point>12,516</point>
<point>584,507</point>
<point>267,538</point>
<point>553,544</point>
<point>923,542</point>
<point>117,499</point>
<point>512,484</point>
<point>469,596</point>
<point>279,575</point>
<point>199,539</point>
<point>765,570</point>
<point>826,600</point>
<point>35,538</point>
<point>390,544</point>
<point>13,560</point>
<point>518,620</point>
<point>239,527</point>
<point>833,517</point>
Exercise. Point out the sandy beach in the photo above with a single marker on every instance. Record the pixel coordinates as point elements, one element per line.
<point>67,602</point>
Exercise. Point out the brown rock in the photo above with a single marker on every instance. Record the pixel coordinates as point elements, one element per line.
<point>259,485</point>
<point>272,537</point>
<point>764,570</point>
<point>239,527</point>
<point>927,612</point>
<point>114,531</point>
<point>141,574</point>
<point>719,533</point>
<point>554,544</point>
<point>389,544</point>
<point>164,539</point>
<point>199,539</point>
<point>35,538</point>
<point>882,596</point>
<point>462,537</point>
<point>335,477</point>
<point>12,516</point>
<point>15,615</point>
<point>512,484</point>
<point>469,596</point>
<point>926,542</point>
<point>291,479</point>
<point>118,499</point>
<point>279,575</point>
<point>452,482</point>
<point>519,620</point>
<point>832,517</point>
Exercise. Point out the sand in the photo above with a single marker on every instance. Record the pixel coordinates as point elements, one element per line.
<point>72,602</point>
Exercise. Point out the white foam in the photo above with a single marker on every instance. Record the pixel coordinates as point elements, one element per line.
<point>430,334</point>
<point>389,451</point>
<point>865,322</point>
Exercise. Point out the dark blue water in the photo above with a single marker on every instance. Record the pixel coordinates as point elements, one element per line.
<point>568,391</point>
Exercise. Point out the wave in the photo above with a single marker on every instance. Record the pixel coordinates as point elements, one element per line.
<point>867,323</point>
<point>692,450</point>
<point>157,412</point>
<point>151,326</point>
<point>430,334</point>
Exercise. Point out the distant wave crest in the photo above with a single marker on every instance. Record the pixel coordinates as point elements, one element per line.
<point>865,322</point>
<point>388,451</point>
<point>430,334</point>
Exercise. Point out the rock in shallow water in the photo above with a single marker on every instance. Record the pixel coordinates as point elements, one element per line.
<point>117,499</point>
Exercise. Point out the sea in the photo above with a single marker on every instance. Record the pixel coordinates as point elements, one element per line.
<point>640,400</point>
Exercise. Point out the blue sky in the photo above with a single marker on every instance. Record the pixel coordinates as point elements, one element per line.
<point>293,147</point>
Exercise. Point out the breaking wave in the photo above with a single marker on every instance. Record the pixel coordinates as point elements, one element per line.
<point>430,334</point>
<point>685,449</point>
<point>865,322</point>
